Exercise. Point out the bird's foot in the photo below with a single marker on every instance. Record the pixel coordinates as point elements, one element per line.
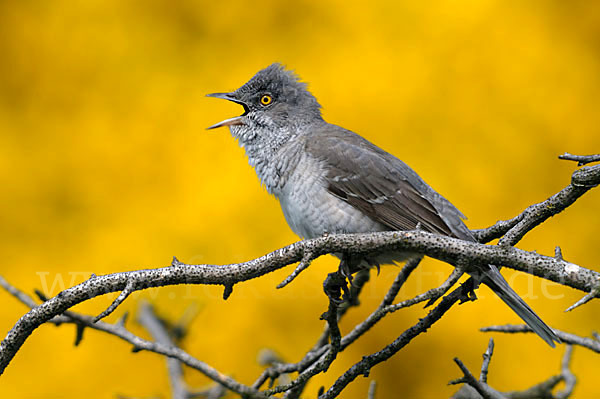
<point>336,287</point>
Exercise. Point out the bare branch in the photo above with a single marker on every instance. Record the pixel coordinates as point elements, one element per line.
<point>118,329</point>
<point>444,248</point>
<point>580,159</point>
<point>319,358</point>
<point>399,281</point>
<point>565,337</point>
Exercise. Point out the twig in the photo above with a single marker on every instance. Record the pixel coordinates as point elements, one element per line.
<point>566,374</point>
<point>399,281</point>
<point>497,230</point>
<point>372,390</point>
<point>159,333</point>
<point>129,287</point>
<point>565,337</point>
<point>215,392</point>
<point>487,357</point>
<point>580,159</point>
<point>538,213</point>
<point>482,388</point>
<point>594,293</point>
<point>479,389</point>
<point>304,263</point>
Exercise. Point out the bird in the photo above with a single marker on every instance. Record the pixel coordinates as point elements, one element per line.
<point>330,180</point>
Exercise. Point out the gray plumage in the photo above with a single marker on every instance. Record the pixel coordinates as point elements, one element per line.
<point>331,180</point>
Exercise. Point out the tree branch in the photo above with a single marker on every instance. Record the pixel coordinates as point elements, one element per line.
<point>440,247</point>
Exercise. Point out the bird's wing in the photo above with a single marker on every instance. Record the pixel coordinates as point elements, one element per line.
<point>391,193</point>
<point>380,185</point>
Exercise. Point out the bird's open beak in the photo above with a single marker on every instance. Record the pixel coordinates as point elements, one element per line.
<point>238,120</point>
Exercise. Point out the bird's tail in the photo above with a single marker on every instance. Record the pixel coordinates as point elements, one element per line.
<point>493,279</point>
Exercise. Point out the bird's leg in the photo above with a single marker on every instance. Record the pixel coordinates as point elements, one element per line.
<point>341,286</point>
<point>358,282</point>
<point>345,267</point>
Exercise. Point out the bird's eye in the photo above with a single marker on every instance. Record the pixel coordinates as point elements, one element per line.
<point>266,99</point>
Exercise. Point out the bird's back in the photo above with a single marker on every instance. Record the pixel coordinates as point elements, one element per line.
<point>380,185</point>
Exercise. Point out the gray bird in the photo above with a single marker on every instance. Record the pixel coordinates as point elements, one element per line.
<point>331,180</point>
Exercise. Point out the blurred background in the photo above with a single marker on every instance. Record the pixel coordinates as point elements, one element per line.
<point>105,166</point>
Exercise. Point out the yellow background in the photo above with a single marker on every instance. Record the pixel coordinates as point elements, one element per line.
<point>105,166</point>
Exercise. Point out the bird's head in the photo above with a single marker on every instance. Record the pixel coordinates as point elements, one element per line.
<point>276,104</point>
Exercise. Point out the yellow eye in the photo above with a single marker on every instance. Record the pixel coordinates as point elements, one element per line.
<point>266,99</point>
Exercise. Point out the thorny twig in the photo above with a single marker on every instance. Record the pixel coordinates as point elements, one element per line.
<point>481,387</point>
<point>568,338</point>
